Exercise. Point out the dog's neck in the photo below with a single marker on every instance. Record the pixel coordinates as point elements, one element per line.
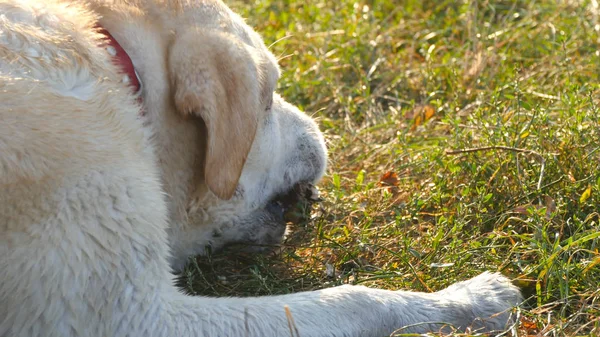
<point>122,60</point>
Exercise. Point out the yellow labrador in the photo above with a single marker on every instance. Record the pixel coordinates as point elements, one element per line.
<point>136,133</point>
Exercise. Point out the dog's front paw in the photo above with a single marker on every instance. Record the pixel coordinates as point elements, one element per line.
<point>489,298</point>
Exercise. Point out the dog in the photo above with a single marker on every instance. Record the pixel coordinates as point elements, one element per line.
<point>137,133</point>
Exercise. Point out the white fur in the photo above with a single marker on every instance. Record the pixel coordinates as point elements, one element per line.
<point>96,202</point>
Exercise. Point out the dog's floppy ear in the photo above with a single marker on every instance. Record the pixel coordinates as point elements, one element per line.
<point>215,77</point>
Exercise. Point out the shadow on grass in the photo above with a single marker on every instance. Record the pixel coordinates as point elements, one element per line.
<point>233,273</point>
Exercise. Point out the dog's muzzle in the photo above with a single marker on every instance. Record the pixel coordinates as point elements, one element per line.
<point>300,197</point>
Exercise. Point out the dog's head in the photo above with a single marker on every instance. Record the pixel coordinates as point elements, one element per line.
<point>228,146</point>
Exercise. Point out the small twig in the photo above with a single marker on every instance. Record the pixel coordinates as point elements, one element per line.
<point>428,325</point>
<point>291,324</point>
<point>495,147</point>
<point>538,156</point>
<point>525,197</point>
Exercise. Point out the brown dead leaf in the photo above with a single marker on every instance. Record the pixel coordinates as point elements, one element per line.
<point>389,181</point>
<point>420,114</point>
<point>549,204</point>
<point>523,209</point>
<point>389,178</point>
<point>529,327</point>
<point>429,112</point>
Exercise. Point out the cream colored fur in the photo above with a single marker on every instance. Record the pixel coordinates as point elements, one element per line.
<point>98,202</point>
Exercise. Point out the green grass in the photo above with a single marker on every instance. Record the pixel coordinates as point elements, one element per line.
<point>397,84</point>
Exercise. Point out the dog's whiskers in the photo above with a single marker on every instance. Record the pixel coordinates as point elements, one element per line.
<point>284,57</point>
<point>279,40</point>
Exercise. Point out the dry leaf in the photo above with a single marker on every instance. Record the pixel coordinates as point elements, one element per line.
<point>523,209</point>
<point>508,115</point>
<point>549,204</point>
<point>420,114</point>
<point>528,326</point>
<point>586,194</point>
<point>389,179</point>
<point>592,264</point>
<point>429,112</point>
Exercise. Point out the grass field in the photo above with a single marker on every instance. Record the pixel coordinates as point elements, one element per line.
<point>463,137</point>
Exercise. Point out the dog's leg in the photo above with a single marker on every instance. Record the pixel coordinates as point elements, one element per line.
<point>481,302</point>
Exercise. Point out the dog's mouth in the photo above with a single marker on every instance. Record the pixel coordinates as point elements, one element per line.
<point>297,201</point>
<point>267,227</point>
